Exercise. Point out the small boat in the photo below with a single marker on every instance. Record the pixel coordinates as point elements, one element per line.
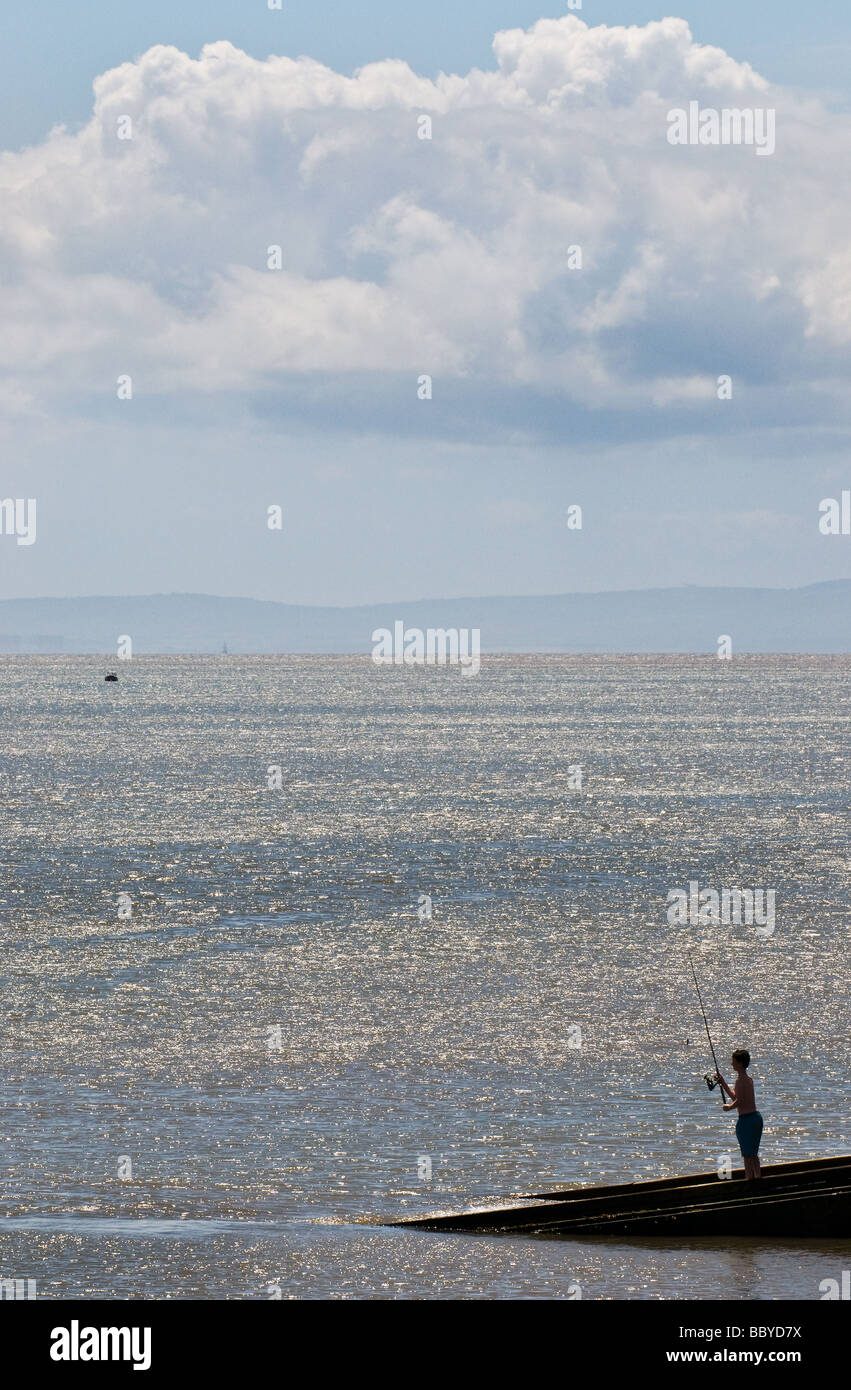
<point>110,676</point>
<point>808,1199</point>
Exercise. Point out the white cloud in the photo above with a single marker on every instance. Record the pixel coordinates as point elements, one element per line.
<point>446,256</point>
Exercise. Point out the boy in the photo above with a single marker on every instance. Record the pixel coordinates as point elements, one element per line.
<point>749,1123</point>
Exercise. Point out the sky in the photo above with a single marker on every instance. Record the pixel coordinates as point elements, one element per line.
<point>138,217</point>
<point>53,51</point>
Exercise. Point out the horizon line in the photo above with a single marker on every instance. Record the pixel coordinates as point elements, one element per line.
<point>457,598</point>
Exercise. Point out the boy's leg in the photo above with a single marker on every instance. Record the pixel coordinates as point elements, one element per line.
<point>757,1170</point>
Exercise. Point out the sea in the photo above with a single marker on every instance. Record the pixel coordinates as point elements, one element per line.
<point>296,945</point>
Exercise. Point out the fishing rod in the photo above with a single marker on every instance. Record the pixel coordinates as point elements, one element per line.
<point>710,1080</point>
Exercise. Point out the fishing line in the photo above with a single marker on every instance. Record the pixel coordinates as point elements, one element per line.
<point>710,1080</point>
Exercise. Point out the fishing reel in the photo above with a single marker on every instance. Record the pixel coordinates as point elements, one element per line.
<point>710,1081</point>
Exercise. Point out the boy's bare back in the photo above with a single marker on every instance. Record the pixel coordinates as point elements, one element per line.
<point>744,1094</point>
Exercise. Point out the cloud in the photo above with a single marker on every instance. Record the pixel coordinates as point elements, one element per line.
<point>447,256</point>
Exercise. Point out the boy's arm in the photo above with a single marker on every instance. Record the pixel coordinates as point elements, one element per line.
<point>722,1083</point>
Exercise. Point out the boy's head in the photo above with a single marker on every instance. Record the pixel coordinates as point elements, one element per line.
<point>742,1058</point>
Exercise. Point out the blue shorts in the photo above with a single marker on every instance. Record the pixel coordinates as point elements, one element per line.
<point>749,1133</point>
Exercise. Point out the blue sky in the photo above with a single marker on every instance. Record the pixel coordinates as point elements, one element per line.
<point>400,257</point>
<point>52,50</point>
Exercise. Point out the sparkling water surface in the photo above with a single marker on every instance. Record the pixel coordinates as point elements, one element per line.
<point>255,1152</point>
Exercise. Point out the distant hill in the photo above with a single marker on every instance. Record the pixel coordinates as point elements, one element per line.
<point>816,618</point>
